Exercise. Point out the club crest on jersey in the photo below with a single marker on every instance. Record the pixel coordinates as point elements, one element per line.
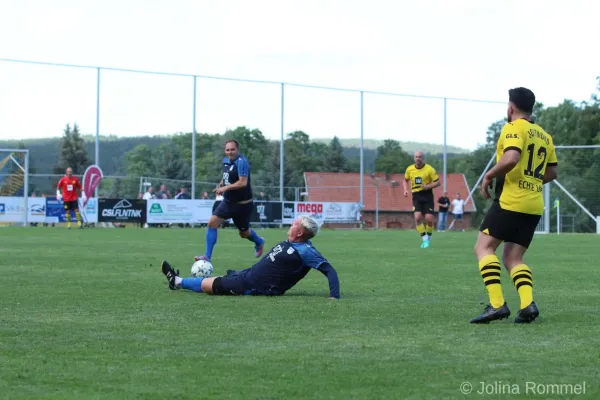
<point>290,250</point>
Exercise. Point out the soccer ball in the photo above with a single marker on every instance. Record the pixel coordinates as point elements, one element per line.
<point>202,269</point>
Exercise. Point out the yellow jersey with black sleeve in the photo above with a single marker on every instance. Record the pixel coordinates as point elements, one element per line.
<point>420,176</point>
<point>521,189</point>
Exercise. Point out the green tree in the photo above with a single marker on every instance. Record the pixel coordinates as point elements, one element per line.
<point>72,152</point>
<point>138,162</point>
<point>391,158</point>
<point>267,179</point>
<point>335,160</point>
<point>253,145</point>
<point>169,164</point>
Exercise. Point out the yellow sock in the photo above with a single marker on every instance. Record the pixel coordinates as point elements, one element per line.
<point>68,218</point>
<point>523,279</point>
<point>421,229</point>
<point>489,267</point>
<point>429,229</point>
<point>78,216</point>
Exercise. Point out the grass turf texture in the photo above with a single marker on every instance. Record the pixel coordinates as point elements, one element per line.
<point>87,314</point>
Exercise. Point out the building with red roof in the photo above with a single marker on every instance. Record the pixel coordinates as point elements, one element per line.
<point>395,210</point>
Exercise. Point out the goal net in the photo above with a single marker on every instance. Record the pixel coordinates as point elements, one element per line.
<point>16,208</point>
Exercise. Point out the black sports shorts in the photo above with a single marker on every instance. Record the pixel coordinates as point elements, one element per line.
<point>237,283</point>
<point>423,202</point>
<point>510,226</point>
<point>71,205</point>
<point>240,213</point>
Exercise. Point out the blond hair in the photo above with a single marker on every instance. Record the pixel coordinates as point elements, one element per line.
<point>310,226</point>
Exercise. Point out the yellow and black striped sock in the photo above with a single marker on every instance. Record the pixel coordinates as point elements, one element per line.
<point>523,280</point>
<point>489,267</point>
<point>421,229</point>
<point>429,229</point>
<point>78,216</point>
<point>68,218</point>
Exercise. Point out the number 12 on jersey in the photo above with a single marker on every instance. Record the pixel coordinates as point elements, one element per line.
<point>541,154</point>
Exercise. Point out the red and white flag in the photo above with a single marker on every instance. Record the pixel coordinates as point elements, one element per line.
<point>91,179</point>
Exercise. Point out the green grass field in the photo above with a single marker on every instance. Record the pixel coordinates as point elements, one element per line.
<point>88,314</point>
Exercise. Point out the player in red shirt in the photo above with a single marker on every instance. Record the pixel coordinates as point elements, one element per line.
<point>69,185</point>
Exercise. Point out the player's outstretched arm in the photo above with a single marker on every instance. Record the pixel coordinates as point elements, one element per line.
<point>332,276</point>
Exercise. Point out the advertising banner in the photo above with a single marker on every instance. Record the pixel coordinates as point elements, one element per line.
<point>12,209</point>
<point>55,211</point>
<point>267,212</point>
<point>322,212</point>
<point>122,210</point>
<point>178,211</point>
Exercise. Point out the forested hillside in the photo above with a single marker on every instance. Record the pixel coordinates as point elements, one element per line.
<point>46,152</point>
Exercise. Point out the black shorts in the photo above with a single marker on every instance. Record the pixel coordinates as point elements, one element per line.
<point>423,202</point>
<point>237,283</point>
<point>240,213</point>
<point>71,205</point>
<point>510,226</point>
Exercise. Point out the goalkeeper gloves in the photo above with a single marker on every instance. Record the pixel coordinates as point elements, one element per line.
<point>58,195</point>
<point>83,196</point>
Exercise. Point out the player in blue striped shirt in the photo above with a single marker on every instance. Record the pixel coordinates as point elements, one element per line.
<point>237,204</point>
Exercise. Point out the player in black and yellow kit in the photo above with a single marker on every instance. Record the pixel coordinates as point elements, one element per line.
<point>525,161</point>
<point>422,179</point>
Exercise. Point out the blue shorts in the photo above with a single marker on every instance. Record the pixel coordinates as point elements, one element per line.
<point>240,213</point>
<point>458,216</point>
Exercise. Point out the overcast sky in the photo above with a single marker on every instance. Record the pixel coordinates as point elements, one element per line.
<point>465,49</point>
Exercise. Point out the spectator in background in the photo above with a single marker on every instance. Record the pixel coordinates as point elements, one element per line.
<point>163,193</point>
<point>205,196</point>
<point>458,209</point>
<point>263,197</point>
<point>443,206</point>
<point>183,194</point>
<point>149,194</point>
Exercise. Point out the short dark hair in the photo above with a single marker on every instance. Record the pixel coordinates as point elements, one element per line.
<point>237,144</point>
<point>522,98</point>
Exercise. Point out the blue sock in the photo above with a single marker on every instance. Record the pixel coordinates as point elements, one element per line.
<point>194,284</point>
<point>211,240</point>
<point>254,238</point>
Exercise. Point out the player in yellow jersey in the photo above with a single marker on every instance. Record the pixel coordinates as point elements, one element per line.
<point>525,161</point>
<point>422,179</point>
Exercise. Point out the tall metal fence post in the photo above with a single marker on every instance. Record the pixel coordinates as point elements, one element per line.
<point>362,146</point>
<point>193,188</point>
<point>445,147</point>
<point>281,147</point>
<point>97,147</point>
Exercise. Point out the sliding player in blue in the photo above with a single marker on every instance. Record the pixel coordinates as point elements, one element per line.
<point>237,204</point>
<point>276,273</point>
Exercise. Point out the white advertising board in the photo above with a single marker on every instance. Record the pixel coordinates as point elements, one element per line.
<point>178,211</point>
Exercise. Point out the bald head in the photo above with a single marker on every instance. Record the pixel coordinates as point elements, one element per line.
<point>69,171</point>
<point>419,159</point>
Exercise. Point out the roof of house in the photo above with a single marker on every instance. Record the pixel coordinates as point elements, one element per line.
<point>345,187</point>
